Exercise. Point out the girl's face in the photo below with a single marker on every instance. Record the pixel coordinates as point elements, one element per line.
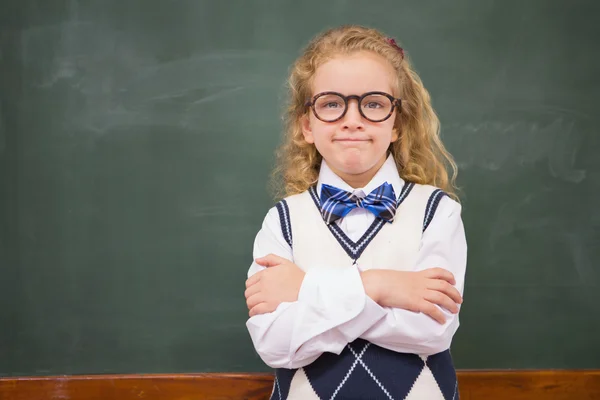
<point>353,147</point>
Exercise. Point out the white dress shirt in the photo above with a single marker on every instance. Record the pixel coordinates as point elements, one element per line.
<point>280,337</point>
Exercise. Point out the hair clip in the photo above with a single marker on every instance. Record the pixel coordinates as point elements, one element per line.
<point>392,41</point>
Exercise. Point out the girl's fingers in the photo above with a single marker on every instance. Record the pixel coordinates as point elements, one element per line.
<point>251,290</point>
<point>441,300</point>
<point>270,260</point>
<point>440,273</point>
<point>433,311</point>
<point>446,288</point>
<point>253,301</point>
<point>261,308</point>
<point>253,279</point>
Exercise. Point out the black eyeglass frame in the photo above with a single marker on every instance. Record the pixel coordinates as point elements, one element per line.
<point>396,103</point>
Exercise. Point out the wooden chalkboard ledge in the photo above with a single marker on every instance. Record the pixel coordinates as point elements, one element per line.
<point>474,385</point>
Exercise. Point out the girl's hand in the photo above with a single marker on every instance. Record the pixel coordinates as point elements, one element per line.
<point>279,283</point>
<point>419,291</point>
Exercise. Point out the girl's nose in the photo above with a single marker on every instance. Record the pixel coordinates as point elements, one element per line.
<point>353,120</point>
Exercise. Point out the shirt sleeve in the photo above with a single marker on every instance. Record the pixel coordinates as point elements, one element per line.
<point>443,245</point>
<point>297,333</point>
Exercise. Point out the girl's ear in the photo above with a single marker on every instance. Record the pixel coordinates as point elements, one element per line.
<point>395,135</point>
<point>306,129</point>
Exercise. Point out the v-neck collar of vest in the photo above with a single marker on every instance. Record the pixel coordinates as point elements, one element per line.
<point>355,249</point>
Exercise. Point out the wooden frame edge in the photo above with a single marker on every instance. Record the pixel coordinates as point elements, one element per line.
<point>473,385</point>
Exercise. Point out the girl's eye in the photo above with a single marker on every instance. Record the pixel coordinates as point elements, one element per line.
<point>373,104</point>
<point>332,104</point>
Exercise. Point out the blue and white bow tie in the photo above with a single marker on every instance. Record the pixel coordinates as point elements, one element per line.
<point>337,203</point>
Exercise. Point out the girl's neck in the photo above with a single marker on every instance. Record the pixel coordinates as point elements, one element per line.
<point>361,180</point>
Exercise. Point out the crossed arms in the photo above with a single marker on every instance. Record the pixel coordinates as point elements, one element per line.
<point>295,316</point>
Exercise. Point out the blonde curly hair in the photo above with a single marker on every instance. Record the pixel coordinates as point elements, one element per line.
<point>419,153</point>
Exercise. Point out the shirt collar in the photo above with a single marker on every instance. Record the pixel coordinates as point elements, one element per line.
<point>387,173</point>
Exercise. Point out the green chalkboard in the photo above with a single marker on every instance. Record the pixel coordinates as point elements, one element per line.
<point>137,138</point>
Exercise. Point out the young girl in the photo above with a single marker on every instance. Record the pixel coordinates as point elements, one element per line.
<point>358,273</point>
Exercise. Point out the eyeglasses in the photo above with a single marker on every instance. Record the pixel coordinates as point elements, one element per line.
<point>373,106</point>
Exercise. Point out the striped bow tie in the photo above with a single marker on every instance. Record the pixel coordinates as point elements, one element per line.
<point>337,203</point>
